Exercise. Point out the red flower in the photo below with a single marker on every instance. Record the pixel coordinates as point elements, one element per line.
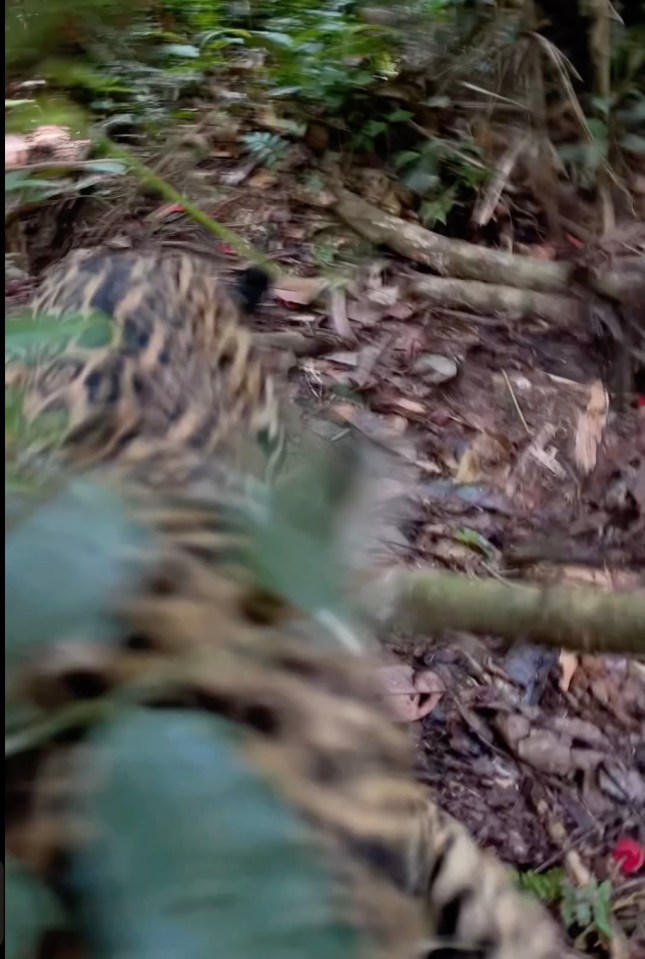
<point>629,855</point>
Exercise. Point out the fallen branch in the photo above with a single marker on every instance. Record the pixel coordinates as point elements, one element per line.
<point>508,301</point>
<point>450,257</point>
<point>298,343</point>
<point>579,619</point>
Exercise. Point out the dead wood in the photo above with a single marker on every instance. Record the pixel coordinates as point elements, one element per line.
<point>466,261</point>
<point>447,257</point>
<point>510,301</point>
<point>580,619</point>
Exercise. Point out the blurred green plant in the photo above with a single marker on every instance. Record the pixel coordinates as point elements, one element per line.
<point>588,906</point>
<point>269,149</point>
<point>320,54</point>
<point>439,171</point>
<point>546,886</point>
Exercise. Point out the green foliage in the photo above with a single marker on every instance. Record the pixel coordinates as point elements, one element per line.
<point>437,171</point>
<point>189,836</point>
<point>66,557</point>
<point>584,160</point>
<point>546,886</point>
<point>320,53</point>
<point>295,532</point>
<point>30,910</point>
<point>268,148</point>
<point>34,29</point>
<point>588,906</point>
<point>35,188</point>
<point>46,109</point>
<point>29,337</point>
<point>614,124</point>
<point>372,130</point>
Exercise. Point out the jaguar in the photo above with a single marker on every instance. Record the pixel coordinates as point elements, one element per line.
<point>214,618</point>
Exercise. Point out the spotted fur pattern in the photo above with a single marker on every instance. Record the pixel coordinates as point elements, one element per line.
<point>201,626</point>
<point>179,376</point>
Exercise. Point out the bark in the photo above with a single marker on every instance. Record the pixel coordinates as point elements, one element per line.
<point>579,619</point>
<point>508,301</point>
<point>450,257</point>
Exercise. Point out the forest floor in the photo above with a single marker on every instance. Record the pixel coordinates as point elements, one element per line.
<point>524,469</point>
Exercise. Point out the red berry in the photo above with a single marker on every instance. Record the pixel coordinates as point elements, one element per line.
<point>629,855</point>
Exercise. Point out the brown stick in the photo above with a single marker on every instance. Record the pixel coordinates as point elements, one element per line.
<point>509,301</point>
<point>450,257</point>
<point>580,619</point>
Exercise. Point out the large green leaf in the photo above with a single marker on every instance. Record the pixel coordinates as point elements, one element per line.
<point>26,333</point>
<point>66,558</point>
<point>30,911</point>
<point>197,857</point>
<point>296,540</point>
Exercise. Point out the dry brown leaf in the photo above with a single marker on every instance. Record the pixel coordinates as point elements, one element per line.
<point>410,696</point>
<point>347,358</point>
<point>401,310</point>
<point>568,666</point>
<point>301,290</point>
<point>368,357</point>
<point>591,426</point>
<point>47,143</point>
<point>263,179</point>
<point>367,314</point>
<point>385,296</point>
<point>435,368</point>
<point>405,406</point>
<point>486,457</point>
<point>16,151</point>
<point>338,313</point>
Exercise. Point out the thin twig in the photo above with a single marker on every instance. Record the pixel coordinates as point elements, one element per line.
<point>515,403</point>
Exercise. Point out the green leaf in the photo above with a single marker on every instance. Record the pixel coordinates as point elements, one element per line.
<point>440,102</point>
<point>602,910</point>
<point>185,51</point>
<point>12,104</point>
<point>283,41</point>
<point>400,116</point>
<point>405,158</point>
<point>30,911</point>
<point>373,127</point>
<point>437,210</point>
<point>547,886</point>
<point>634,114</point>
<point>16,181</point>
<point>26,332</point>
<point>422,178</point>
<point>65,561</point>
<point>196,855</point>
<point>475,540</point>
<point>111,167</point>
<point>296,538</point>
<point>633,144</point>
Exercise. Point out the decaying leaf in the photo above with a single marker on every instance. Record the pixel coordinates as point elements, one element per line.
<point>301,290</point>
<point>410,695</point>
<point>591,426</point>
<point>434,368</point>
<point>568,665</point>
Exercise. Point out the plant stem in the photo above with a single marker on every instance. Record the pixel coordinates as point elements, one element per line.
<point>167,191</point>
